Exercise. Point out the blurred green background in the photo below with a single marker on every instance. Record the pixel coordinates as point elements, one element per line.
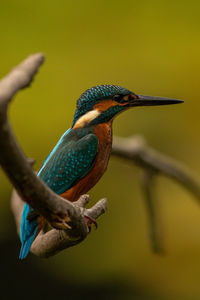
<point>149,47</point>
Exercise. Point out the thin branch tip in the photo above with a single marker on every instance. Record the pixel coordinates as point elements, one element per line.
<point>98,209</point>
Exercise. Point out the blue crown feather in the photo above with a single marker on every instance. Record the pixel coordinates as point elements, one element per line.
<point>94,95</point>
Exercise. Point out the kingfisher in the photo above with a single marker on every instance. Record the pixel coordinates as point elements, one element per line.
<point>81,156</point>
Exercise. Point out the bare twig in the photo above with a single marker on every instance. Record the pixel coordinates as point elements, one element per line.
<point>60,213</point>
<point>136,149</point>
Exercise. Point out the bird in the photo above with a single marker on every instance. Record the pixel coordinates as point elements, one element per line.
<point>81,156</point>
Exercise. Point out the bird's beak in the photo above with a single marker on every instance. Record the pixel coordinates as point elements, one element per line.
<point>142,100</point>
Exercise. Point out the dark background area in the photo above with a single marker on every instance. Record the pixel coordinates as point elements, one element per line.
<point>149,47</point>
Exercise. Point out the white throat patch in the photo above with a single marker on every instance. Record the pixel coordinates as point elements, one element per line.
<point>87,118</point>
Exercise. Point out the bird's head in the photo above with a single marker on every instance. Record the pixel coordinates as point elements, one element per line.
<point>101,103</point>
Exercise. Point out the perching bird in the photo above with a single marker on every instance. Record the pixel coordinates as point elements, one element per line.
<point>81,156</point>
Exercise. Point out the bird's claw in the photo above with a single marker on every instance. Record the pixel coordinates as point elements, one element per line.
<point>61,223</point>
<point>90,221</point>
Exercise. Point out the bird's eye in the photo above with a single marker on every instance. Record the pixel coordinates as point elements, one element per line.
<point>118,98</point>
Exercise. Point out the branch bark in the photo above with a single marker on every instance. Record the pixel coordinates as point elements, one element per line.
<point>60,213</point>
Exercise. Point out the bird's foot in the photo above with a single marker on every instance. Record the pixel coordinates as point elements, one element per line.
<point>90,221</point>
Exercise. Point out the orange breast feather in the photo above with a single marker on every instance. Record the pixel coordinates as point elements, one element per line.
<point>104,135</point>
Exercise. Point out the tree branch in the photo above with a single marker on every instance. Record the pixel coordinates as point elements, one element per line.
<point>66,218</point>
<point>153,163</point>
<point>60,213</point>
<point>136,150</point>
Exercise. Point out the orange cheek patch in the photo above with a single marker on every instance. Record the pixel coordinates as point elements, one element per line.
<point>105,104</point>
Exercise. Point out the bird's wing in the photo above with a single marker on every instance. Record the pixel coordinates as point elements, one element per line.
<point>54,150</point>
<point>70,162</point>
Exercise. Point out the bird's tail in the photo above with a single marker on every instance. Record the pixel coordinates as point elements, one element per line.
<point>26,246</point>
<point>28,231</point>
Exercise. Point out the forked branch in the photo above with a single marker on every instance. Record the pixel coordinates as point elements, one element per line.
<point>153,163</point>
<point>61,214</point>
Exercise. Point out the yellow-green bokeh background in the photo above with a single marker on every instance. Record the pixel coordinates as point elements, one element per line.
<point>149,47</point>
